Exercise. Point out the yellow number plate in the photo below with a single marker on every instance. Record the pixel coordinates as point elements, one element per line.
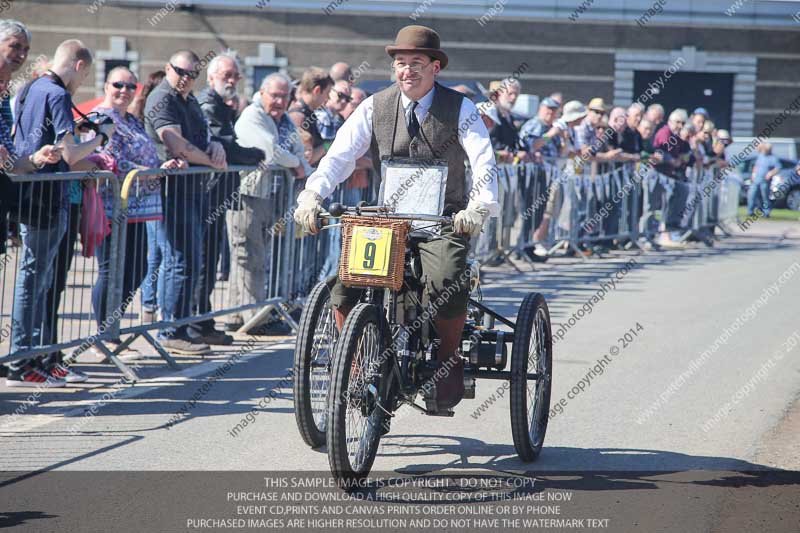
<point>370,251</point>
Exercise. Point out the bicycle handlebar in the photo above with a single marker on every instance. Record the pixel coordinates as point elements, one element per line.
<point>336,210</point>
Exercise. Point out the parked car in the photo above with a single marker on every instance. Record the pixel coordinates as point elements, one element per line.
<point>745,169</point>
<point>784,188</point>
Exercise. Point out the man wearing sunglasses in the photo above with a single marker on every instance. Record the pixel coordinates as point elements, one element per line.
<point>175,121</point>
<point>419,119</point>
<point>312,94</point>
<point>329,116</point>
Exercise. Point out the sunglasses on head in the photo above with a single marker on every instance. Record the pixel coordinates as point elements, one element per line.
<point>192,74</point>
<point>120,85</point>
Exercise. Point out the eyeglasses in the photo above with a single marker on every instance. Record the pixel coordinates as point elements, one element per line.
<point>235,76</point>
<point>191,74</point>
<point>413,67</point>
<point>120,85</point>
<point>343,97</point>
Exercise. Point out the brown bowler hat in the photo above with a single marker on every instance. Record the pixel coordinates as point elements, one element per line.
<point>419,39</point>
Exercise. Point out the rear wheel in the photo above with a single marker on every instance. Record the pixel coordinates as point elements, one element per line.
<point>357,389</point>
<point>313,359</point>
<point>530,399</point>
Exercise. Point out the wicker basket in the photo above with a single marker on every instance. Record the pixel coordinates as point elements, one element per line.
<point>394,279</point>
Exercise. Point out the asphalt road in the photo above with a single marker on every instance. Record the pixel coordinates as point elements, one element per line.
<point>704,384</point>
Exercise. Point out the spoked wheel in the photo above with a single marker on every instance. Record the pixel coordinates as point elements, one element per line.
<point>532,352</point>
<point>313,359</point>
<point>358,384</point>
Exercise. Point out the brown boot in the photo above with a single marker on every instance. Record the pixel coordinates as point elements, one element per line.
<point>449,381</point>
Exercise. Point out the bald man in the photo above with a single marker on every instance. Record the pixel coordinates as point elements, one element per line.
<point>341,71</point>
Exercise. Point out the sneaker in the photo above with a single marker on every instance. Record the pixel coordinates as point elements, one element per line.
<point>69,375</point>
<point>277,328</point>
<point>666,241</point>
<point>210,336</point>
<point>30,376</point>
<point>232,326</point>
<point>185,346</point>
<point>537,253</point>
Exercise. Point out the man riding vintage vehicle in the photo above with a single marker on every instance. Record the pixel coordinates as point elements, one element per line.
<point>393,324</point>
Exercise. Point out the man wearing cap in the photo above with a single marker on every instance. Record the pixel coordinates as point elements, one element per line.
<point>539,135</point>
<point>574,113</point>
<point>719,142</point>
<point>699,117</point>
<point>586,133</point>
<point>419,119</point>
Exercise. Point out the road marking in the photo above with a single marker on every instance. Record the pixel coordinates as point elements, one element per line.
<point>30,421</point>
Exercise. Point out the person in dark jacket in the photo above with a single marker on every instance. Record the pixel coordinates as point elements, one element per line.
<point>223,76</point>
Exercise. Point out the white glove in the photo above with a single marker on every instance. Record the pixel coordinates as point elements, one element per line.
<point>469,221</point>
<point>309,205</point>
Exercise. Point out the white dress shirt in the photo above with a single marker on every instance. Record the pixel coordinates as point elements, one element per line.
<point>354,137</point>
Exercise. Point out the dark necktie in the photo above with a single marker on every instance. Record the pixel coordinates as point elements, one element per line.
<point>412,123</point>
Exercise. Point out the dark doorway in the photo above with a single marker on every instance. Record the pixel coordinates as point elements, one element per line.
<point>689,90</point>
<point>114,63</point>
<point>261,72</point>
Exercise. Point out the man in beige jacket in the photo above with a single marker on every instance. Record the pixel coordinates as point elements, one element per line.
<point>264,124</point>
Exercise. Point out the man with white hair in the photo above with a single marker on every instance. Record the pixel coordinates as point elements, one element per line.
<point>223,75</point>
<point>504,136</point>
<point>766,166</point>
<point>15,43</point>
<point>676,157</point>
<point>265,125</point>
<point>674,150</point>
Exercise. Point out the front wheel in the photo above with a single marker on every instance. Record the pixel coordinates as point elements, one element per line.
<point>530,399</point>
<point>313,357</point>
<point>356,398</point>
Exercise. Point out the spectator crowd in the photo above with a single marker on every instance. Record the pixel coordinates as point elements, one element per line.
<point>178,231</point>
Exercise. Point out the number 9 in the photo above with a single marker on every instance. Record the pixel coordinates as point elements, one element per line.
<point>369,255</point>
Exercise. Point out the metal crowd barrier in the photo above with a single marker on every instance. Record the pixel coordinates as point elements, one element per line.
<point>47,271</point>
<point>566,204</point>
<point>569,205</point>
<point>203,209</point>
<point>197,207</point>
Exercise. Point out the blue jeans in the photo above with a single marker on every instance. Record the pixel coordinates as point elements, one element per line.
<point>758,188</point>
<point>153,284</point>
<point>29,324</point>
<point>135,266</point>
<point>183,251</point>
